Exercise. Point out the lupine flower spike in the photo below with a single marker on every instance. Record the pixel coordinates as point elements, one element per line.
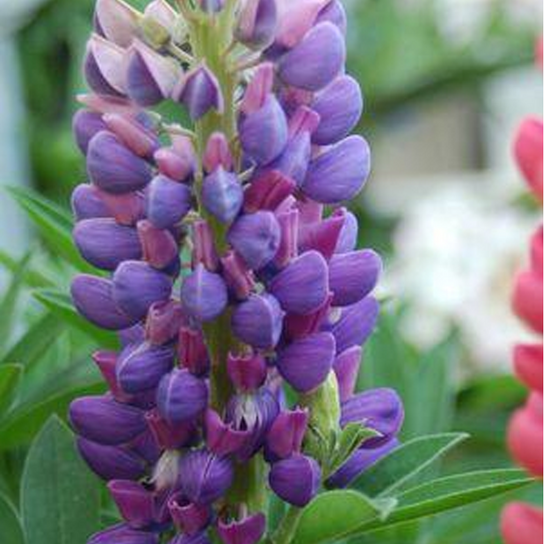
<point>228,266</point>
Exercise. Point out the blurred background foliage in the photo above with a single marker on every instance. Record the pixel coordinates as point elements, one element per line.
<point>407,54</point>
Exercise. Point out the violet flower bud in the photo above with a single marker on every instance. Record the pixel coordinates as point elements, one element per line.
<point>288,249</point>
<point>189,517</point>
<point>346,367</point>
<point>323,236</point>
<point>116,20</point>
<point>103,67</point>
<point>150,76</point>
<point>200,91</point>
<point>246,372</point>
<point>296,480</point>
<point>258,89</point>
<point>204,250</point>
<point>267,191</point>
<point>339,173</point>
<point>355,324</point>
<point>192,351</point>
<point>256,237</point>
<point>127,209</point>
<point>169,436</point>
<point>111,462</point>
<point>168,202</point>
<point>335,13</point>
<point>132,335</point>
<point>237,275</point>
<point>135,503</point>
<point>223,438</point>
<point>316,60</point>
<point>258,321</point>
<point>114,168</point>
<point>136,286</point>
<point>263,133</point>
<point>106,421</point>
<point>297,326</point>
<point>257,23</point>
<point>93,298</point>
<point>160,248</point>
<point>123,534</point>
<point>287,433</point>
<point>349,234</point>
<point>337,122</point>
<point>105,244</point>
<point>352,276</point>
<point>85,125</point>
<point>248,530</point>
<point>172,164</point>
<point>199,538</point>
<point>164,320</point>
<point>254,412</point>
<point>306,363</point>
<point>106,361</point>
<point>141,367</point>
<point>222,194</point>
<point>205,477</point>
<point>217,153</point>
<point>181,396</point>
<point>87,204</point>
<point>379,409</point>
<point>138,138</point>
<point>302,286</point>
<point>204,294</point>
<point>360,461</point>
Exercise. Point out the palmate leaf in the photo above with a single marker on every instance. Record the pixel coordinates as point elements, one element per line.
<point>60,498</point>
<point>405,463</point>
<point>60,305</point>
<point>54,224</point>
<point>338,515</point>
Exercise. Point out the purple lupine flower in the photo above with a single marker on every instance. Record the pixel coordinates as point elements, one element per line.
<point>230,270</point>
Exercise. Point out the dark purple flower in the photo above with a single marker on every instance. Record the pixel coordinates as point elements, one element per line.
<point>87,204</point>
<point>204,294</point>
<point>335,13</point>
<point>123,534</point>
<point>106,421</point>
<point>85,125</point>
<point>103,67</point>
<point>246,372</point>
<point>238,277</point>
<point>339,173</point>
<point>350,231</point>
<point>248,530</point>
<point>353,275</point>
<point>141,367</point>
<point>167,201</point>
<point>287,433</point>
<point>322,236</point>
<point>111,462</point>
<point>224,438</point>
<point>337,122</point>
<point>378,409</point>
<point>189,517</point>
<point>113,167</point>
<point>169,436</point>
<point>159,246</point>
<point>93,298</point>
<point>199,538</point>
<point>306,363</point>
<point>222,194</point>
<point>181,396</point>
<point>164,320</point>
<point>258,321</point>
<point>105,244</point>
<point>135,503</point>
<point>192,350</point>
<point>296,479</point>
<point>256,237</point>
<point>137,285</point>
<point>302,286</point>
<point>268,189</point>
<point>316,60</point>
<point>204,477</point>
<point>346,367</point>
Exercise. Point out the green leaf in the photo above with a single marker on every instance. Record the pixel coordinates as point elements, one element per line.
<point>25,421</point>
<point>36,341</point>
<point>8,304</point>
<point>10,526</point>
<point>10,378</point>
<point>404,463</point>
<point>60,498</point>
<point>351,437</point>
<point>54,225</point>
<point>335,514</point>
<point>448,493</point>
<point>60,304</point>
<point>33,277</point>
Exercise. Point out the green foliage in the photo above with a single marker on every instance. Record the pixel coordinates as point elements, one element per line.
<point>60,498</point>
<point>11,531</point>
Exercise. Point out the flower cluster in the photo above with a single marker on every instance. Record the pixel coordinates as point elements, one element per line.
<point>521,523</point>
<point>230,267</point>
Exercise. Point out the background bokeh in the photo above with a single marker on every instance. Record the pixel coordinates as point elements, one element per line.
<point>445,83</point>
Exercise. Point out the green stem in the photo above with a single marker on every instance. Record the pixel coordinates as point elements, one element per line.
<point>286,531</point>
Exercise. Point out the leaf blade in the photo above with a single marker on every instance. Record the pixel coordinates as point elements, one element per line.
<point>10,378</point>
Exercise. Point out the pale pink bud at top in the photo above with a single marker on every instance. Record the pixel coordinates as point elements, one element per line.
<point>116,20</point>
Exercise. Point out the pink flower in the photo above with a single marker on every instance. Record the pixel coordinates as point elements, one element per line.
<point>521,524</point>
<point>528,153</point>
